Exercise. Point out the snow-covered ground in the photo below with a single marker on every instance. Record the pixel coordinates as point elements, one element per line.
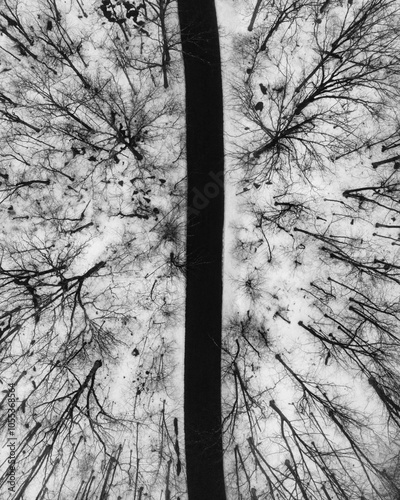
<point>93,264</point>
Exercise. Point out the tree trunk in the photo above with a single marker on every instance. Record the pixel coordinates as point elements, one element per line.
<point>205,163</point>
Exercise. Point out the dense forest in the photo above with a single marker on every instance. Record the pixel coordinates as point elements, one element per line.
<point>199,216</point>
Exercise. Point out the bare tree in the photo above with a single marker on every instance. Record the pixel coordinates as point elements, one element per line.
<point>311,340</point>
<point>91,157</point>
<point>298,115</point>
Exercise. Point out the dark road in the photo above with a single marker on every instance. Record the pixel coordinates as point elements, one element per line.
<point>205,163</point>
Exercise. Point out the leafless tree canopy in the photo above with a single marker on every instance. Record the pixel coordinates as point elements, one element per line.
<point>93,260</point>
